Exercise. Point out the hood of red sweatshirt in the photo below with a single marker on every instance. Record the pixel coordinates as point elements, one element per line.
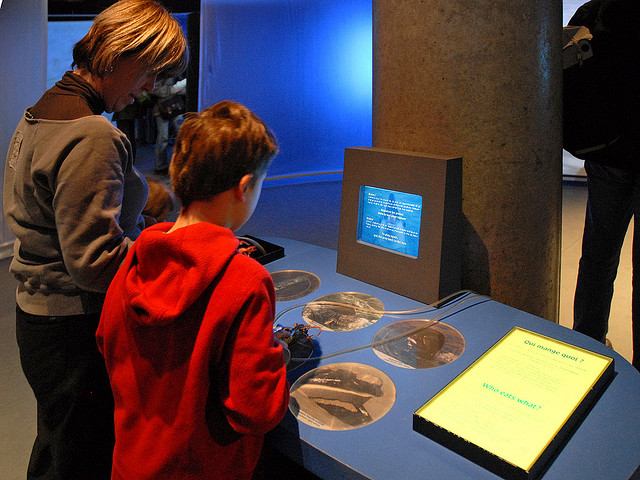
<point>168,272</point>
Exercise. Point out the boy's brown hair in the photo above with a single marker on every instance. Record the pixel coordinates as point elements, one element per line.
<point>216,148</point>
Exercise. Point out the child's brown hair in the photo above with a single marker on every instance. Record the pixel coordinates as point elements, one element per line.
<point>216,148</point>
<point>161,201</point>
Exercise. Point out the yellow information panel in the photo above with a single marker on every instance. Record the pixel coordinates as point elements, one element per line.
<point>514,404</point>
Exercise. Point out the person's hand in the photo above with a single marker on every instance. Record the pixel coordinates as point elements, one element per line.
<point>285,350</point>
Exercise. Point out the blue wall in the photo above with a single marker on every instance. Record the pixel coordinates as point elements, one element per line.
<point>62,36</point>
<point>304,66</point>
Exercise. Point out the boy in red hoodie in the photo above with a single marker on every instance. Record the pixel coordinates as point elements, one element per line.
<point>186,329</point>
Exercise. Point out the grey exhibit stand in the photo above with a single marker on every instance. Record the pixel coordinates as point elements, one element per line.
<point>604,445</point>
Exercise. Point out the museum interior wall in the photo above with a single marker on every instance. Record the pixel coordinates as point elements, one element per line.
<point>23,52</point>
<point>303,66</point>
<point>489,93</point>
<point>306,68</point>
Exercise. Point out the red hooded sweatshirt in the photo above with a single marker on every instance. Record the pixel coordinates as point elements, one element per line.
<point>186,333</point>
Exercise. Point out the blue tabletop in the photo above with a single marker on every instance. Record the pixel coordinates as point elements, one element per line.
<point>605,445</point>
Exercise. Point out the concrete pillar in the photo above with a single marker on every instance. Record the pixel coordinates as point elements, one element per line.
<point>482,79</point>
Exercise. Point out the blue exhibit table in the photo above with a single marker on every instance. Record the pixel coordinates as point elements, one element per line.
<point>605,445</point>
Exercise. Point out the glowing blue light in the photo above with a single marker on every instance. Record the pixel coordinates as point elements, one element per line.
<point>305,67</point>
<point>355,62</point>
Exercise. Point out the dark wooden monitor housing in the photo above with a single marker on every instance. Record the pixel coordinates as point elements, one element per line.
<point>436,271</point>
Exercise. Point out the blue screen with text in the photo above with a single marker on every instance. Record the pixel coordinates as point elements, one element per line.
<point>390,220</point>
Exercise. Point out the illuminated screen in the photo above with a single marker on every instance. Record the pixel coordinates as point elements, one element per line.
<point>390,220</point>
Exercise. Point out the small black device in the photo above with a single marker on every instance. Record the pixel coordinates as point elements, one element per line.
<point>260,250</point>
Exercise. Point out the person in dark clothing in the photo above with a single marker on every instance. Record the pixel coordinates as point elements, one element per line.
<point>126,122</point>
<point>613,171</point>
<point>165,126</point>
<point>73,200</point>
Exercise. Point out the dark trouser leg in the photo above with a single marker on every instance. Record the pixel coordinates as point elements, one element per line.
<point>75,407</point>
<point>162,142</point>
<point>609,210</point>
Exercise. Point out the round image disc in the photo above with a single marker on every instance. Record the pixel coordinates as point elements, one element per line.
<point>418,343</point>
<point>293,284</point>
<point>343,311</point>
<point>342,396</point>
